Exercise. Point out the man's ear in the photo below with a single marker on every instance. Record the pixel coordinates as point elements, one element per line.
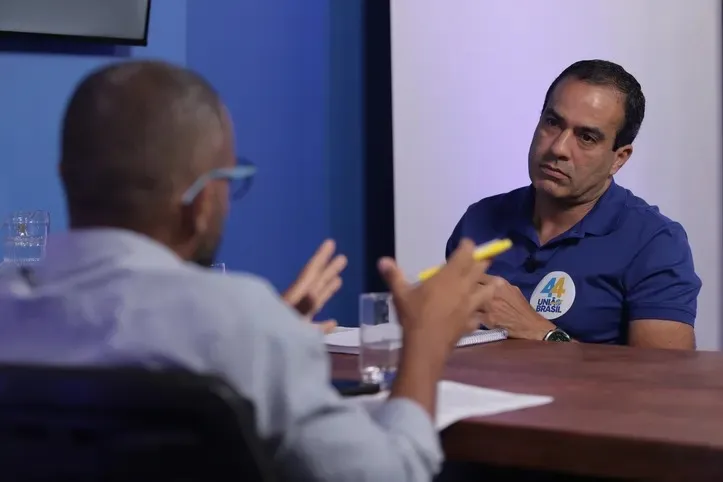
<point>198,212</point>
<point>622,154</point>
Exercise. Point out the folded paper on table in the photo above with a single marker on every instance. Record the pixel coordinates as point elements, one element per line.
<point>459,401</point>
<point>346,340</point>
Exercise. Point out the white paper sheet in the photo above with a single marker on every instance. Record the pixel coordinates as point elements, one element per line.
<point>346,340</point>
<point>343,340</point>
<point>458,401</point>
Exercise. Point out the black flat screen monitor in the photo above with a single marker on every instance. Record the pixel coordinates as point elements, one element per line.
<point>113,21</point>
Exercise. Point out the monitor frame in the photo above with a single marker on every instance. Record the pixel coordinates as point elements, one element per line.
<point>135,42</point>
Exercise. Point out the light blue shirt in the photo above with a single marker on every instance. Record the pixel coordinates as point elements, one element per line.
<point>110,296</point>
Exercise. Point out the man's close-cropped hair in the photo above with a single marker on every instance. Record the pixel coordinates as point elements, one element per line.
<point>604,72</point>
<point>133,134</point>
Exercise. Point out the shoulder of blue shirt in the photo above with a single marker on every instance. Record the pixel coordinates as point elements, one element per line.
<point>643,221</point>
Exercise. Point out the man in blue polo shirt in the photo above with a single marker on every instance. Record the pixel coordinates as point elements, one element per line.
<point>591,262</point>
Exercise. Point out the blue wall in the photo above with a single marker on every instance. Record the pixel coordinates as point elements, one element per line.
<point>282,70</point>
<point>36,81</point>
<point>290,73</point>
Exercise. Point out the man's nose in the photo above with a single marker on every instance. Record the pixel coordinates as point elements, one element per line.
<point>560,148</point>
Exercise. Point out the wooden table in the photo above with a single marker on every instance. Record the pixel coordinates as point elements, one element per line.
<point>618,411</point>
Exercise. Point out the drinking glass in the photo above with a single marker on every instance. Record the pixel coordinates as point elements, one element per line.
<point>25,237</point>
<point>380,339</point>
<point>219,267</point>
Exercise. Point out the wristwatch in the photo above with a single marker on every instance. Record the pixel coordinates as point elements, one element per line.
<point>557,335</point>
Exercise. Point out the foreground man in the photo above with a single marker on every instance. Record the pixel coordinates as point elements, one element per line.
<point>148,167</point>
<point>591,261</point>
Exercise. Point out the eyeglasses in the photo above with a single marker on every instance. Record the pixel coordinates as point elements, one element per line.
<point>240,178</point>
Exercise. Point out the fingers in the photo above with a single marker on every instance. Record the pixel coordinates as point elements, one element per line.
<point>486,279</point>
<point>474,322</point>
<point>481,295</point>
<point>493,281</point>
<point>331,271</point>
<point>321,257</point>
<point>462,258</point>
<point>326,327</point>
<point>325,284</point>
<point>393,276</point>
<point>478,272</point>
<point>309,273</point>
<point>320,296</point>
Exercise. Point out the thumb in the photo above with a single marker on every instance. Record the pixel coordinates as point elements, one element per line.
<point>392,275</point>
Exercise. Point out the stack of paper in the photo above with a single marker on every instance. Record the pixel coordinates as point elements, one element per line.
<point>458,401</point>
<point>343,340</point>
<point>346,340</point>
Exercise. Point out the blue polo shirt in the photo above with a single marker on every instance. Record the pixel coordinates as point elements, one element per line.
<point>623,261</point>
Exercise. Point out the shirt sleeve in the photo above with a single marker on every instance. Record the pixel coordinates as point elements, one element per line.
<point>661,283</point>
<point>279,361</point>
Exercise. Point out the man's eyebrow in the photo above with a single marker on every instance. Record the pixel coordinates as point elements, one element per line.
<point>593,131</point>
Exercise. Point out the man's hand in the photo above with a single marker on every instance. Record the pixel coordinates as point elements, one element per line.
<point>509,309</point>
<point>443,307</point>
<point>319,280</point>
<point>434,315</point>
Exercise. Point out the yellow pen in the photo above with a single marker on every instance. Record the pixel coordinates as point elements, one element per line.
<point>483,252</point>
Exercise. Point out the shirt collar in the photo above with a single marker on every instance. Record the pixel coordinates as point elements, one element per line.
<point>605,215</point>
<point>83,248</point>
<point>602,219</point>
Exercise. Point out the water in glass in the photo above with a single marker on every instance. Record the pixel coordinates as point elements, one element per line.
<point>380,339</point>
<point>25,237</point>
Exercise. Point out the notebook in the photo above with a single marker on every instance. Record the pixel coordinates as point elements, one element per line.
<point>346,340</point>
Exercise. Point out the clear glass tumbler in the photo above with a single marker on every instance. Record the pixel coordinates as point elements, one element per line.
<point>380,339</point>
<point>219,267</point>
<point>25,237</point>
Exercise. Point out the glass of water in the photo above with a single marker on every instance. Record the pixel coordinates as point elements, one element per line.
<point>380,339</point>
<point>25,237</point>
<point>219,267</point>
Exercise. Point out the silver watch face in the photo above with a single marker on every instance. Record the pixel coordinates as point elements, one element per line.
<point>557,335</point>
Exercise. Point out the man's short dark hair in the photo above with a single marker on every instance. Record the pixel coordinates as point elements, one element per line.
<point>603,72</point>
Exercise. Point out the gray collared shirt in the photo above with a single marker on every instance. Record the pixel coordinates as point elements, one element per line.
<point>110,296</point>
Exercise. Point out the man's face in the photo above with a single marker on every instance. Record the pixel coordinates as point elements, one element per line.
<point>571,155</point>
<point>218,202</point>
